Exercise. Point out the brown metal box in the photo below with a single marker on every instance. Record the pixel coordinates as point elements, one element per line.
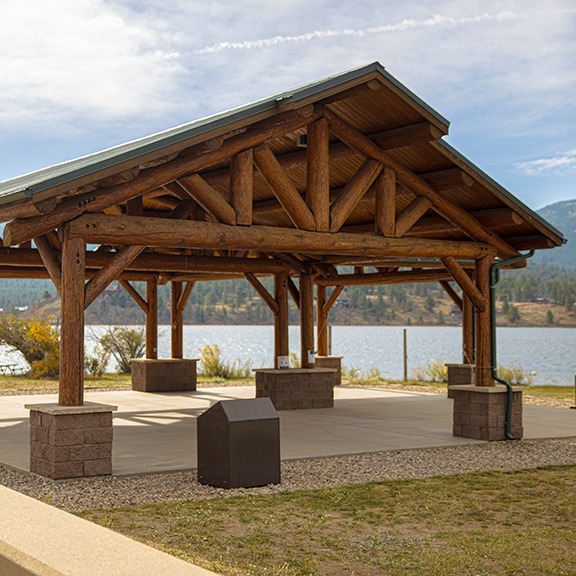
<point>239,444</point>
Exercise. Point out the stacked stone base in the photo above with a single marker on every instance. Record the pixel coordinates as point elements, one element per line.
<point>297,388</point>
<point>164,375</point>
<point>480,412</point>
<point>334,362</point>
<point>71,441</point>
<point>459,375</point>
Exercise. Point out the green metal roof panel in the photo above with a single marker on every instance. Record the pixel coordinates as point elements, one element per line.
<point>26,186</point>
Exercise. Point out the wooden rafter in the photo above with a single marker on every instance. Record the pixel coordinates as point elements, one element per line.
<point>352,194</point>
<point>264,294</point>
<point>208,198</point>
<point>385,208</point>
<point>411,214</point>
<point>318,173</point>
<point>284,189</point>
<point>110,272</point>
<point>452,293</point>
<point>463,280</point>
<point>51,261</point>
<point>20,230</point>
<point>455,214</point>
<point>135,295</point>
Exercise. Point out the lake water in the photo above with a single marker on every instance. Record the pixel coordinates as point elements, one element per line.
<point>550,352</point>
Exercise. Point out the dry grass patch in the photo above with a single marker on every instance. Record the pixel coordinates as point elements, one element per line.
<point>471,524</point>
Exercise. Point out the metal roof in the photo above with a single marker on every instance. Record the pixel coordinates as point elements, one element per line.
<point>24,187</point>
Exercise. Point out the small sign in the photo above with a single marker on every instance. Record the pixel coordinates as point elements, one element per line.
<point>311,356</point>
<point>283,362</point>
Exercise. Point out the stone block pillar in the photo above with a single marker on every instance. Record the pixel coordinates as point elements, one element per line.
<point>459,375</point>
<point>71,441</point>
<point>164,375</point>
<point>297,388</point>
<point>480,412</point>
<point>331,362</point>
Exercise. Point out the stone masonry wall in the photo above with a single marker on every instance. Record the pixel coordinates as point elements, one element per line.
<point>71,445</point>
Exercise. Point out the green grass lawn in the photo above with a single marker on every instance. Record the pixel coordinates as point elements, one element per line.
<point>519,523</point>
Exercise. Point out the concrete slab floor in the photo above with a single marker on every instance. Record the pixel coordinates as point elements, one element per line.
<point>157,432</point>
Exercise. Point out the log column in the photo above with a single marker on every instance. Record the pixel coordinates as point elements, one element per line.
<point>306,318</point>
<point>71,387</point>
<point>321,321</point>
<point>468,351</point>
<point>176,324</point>
<point>281,339</point>
<point>484,325</point>
<point>152,319</point>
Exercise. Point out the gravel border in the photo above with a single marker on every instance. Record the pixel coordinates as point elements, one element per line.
<point>118,491</point>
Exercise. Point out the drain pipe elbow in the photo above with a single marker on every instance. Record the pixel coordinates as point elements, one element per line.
<point>494,278</point>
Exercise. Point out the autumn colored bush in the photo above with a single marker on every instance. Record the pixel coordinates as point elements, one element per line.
<point>36,339</point>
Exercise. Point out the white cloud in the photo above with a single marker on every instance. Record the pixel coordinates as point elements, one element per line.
<point>68,58</point>
<point>560,164</point>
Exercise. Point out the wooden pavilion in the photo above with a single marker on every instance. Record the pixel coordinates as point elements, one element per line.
<point>348,171</point>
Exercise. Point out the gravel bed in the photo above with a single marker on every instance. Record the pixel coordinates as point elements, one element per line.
<point>111,492</point>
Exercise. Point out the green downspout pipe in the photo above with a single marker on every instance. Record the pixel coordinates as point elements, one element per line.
<point>494,278</point>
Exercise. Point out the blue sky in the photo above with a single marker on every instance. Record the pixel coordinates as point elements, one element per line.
<point>78,76</point>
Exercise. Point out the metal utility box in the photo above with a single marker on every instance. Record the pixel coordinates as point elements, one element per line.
<point>239,444</point>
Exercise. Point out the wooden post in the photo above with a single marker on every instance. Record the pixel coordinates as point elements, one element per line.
<point>176,324</point>
<point>281,342</point>
<point>468,352</point>
<point>71,386</point>
<point>152,319</point>
<point>241,186</point>
<point>306,319</point>
<point>321,321</point>
<point>484,325</point>
<point>318,177</point>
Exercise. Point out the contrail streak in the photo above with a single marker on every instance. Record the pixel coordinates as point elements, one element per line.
<point>402,26</point>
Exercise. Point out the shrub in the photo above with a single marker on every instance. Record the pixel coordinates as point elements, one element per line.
<point>214,367</point>
<point>96,365</point>
<point>124,344</point>
<point>36,340</point>
<point>515,374</point>
<point>357,376</point>
<point>435,371</point>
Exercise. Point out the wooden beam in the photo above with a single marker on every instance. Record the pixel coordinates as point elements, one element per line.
<point>495,218</point>
<point>241,186</point>
<point>283,188</point>
<point>368,279</point>
<point>468,347</point>
<point>318,173</point>
<point>50,260</point>
<point>264,294</point>
<point>321,321</point>
<point>152,319</point>
<point>71,384</point>
<point>135,295</point>
<point>452,293</point>
<point>176,326</point>
<point>332,299</point>
<point>281,324</point>
<point>463,280</point>
<point>411,214</point>
<point>123,230</point>
<point>484,325</point>
<point>448,179</point>
<point>20,230</point>
<point>306,320</point>
<point>348,199</point>
<point>134,207</point>
<point>209,199</point>
<point>452,212</point>
<point>110,272</point>
<point>385,211</point>
<point>294,292</point>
